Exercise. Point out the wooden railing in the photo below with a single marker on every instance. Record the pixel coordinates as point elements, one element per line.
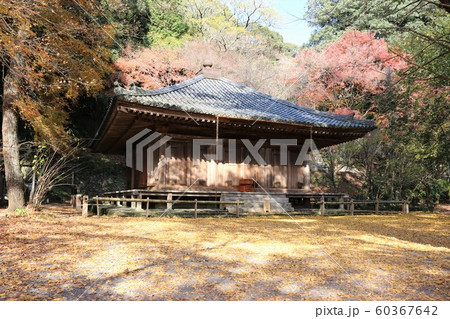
<point>82,203</point>
<point>351,205</point>
<point>97,200</point>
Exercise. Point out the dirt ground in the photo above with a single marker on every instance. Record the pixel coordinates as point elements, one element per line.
<point>56,256</point>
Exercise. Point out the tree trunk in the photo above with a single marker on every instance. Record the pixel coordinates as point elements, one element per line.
<point>11,159</point>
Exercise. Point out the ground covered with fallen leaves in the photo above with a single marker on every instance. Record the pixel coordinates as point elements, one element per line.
<point>61,257</point>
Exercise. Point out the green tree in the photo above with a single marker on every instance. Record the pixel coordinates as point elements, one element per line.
<point>167,25</point>
<point>233,25</point>
<point>389,19</point>
<point>145,22</point>
<point>129,18</point>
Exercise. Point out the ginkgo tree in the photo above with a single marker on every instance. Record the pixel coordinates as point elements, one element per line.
<point>52,52</point>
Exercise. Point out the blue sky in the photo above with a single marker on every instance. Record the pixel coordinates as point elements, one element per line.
<point>292,28</point>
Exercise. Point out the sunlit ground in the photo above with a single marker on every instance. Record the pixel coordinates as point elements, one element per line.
<point>396,257</point>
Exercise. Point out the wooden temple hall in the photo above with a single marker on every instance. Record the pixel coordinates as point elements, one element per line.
<point>211,107</point>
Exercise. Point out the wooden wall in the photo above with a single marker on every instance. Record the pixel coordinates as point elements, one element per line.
<point>181,171</point>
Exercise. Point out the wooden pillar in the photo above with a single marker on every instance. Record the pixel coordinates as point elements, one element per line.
<point>352,207</point>
<point>377,206</point>
<point>133,169</point>
<point>212,168</point>
<point>146,207</point>
<point>84,211</point>
<point>216,162</point>
<point>169,204</point>
<point>195,209</point>
<point>306,178</point>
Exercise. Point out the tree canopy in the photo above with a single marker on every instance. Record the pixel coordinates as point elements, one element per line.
<point>53,52</point>
<point>387,19</point>
<point>409,157</point>
<point>347,73</point>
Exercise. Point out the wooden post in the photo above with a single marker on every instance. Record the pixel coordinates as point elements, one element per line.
<point>352,207</point>
<point>133,204</point>
<point>237,209</point>
<point>146,207</point>
<point>221,206</point>
<point>169,204</point>
<point>78,202</point>
<point>405,208</point>
<point>84,210</point>
<point>98,207</point>
<point>266,207</point>
<point>377,207</point>
<point>139,204</point>
<point>341,206</point>
<point>322,206</point>
<point>195,209</point>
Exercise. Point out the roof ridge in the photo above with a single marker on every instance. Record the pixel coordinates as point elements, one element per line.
<point>137,91</point>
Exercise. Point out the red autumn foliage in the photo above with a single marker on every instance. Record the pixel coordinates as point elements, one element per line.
<point>347,111</point>
<point>356,66</point>
<point>152,68</point>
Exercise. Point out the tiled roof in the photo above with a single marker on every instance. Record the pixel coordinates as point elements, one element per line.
<point>222,97</point>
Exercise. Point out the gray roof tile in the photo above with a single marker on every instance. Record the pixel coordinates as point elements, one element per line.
<point>222,97</point>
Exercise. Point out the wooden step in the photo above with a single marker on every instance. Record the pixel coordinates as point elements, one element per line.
<point>259,203</point>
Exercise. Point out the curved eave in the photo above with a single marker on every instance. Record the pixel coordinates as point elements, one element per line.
<point>125,119</point>
<point>340,123</point>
